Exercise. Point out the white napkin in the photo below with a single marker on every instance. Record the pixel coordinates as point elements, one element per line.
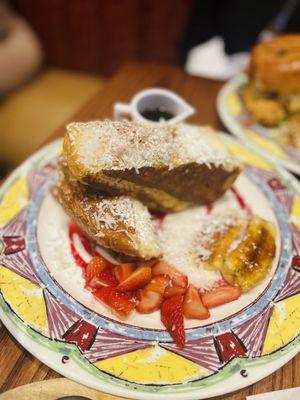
<point>210,60</point>
<point>288,394</point>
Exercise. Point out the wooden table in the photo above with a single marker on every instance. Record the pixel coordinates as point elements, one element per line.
<point>17,366</point>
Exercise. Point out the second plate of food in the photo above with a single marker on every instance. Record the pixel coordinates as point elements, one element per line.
<point>263,106</point>
<point>217,312</point>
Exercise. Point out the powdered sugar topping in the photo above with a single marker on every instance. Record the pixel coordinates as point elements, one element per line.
<point>125,145</point>
<point>127,215</point>
<point>110,212</point>
<point>186,238</point>
<point>210,227</point>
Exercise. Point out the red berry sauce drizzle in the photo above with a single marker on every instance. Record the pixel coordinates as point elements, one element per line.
<point>241,202</point>
<point>209,208</point>
<point>90,248</point>
<point>158,218</point>
<point>74,230</point>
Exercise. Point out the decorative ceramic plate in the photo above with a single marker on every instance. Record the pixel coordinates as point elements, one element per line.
<point>240,122</point>
<point>44,305</point>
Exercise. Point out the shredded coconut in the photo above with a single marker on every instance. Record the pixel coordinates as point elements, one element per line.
<point>186,239</point>
<point>110,212</point>
<point>132,145</point>
<point>127,215</point>
<point>212,226</point>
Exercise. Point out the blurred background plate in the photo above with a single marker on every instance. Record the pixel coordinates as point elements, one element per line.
<point>239,122</point>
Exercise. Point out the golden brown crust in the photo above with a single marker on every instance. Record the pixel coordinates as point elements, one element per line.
<point>119,234</point>
<point>275,65</point>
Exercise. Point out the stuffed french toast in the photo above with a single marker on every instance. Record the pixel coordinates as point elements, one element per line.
<point>182,262</point>
<point>168,168</point>
<point>118,223</point>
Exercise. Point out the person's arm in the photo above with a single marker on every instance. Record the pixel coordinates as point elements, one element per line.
<point>20,50</point>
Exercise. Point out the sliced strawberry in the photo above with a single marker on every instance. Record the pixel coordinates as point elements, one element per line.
<point>172,290</point>
<point>216,284</point>
<point>163,268</point>
<point>220,295</point>
<point>100,272</point>
<point>95,266</point>
<point>138,279</point>
<point>172,318</point>
<point>193,306</point>
<point>149,263</point>
<point>123,271</point>
<point>119,303</point>
<point>158,284</point>
<point>106,278</point>
<point>149,301</point>
<point>134,296</point>
<point>180,280</point>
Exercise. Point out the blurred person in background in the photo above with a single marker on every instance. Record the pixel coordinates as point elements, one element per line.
<point>21,57</point>
<point>21,54</point>
<point>35,97</point>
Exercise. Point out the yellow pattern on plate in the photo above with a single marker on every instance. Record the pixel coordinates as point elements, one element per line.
<point>152,365</point>
<point>284,324</point>
<point>25,298</point>
<point>295,212</point>
<point>14,200</point>
<point>249,157</point>
<point>268,145</point>
<point>234,104</point>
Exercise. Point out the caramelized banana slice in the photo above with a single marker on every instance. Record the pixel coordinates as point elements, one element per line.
<point>222,241</point>
<point>250,261</point>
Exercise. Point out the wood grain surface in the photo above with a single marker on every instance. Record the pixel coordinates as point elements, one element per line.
<point>17,366</point>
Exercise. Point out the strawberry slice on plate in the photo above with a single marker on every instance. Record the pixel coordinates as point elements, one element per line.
<point>193,306</point>
<point>100,272</point>
<point>158,284</point>
<point>172,290</point>
<point>148,301</point>
<point>178,282</point>
<point>95,266</point>
<point>163,268</point>
<point>108,277</point>
<point>119,303</point>
<point>123,271</point>
<point>138,279</point>
<point>171,315</point>
<point>149,263</point>
<point>220,295</point>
